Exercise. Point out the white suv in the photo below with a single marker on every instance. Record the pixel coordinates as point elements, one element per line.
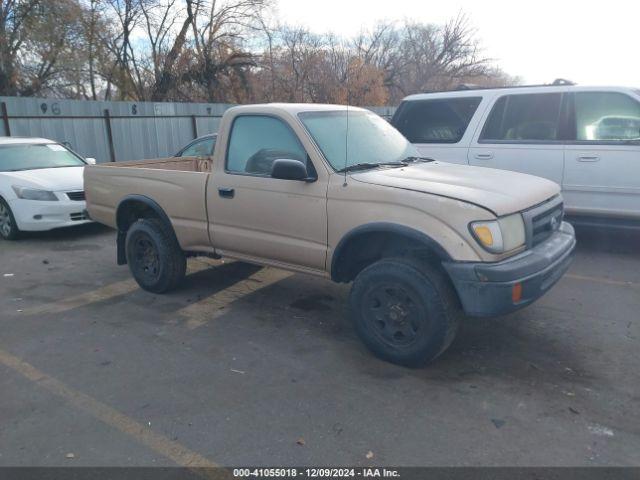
<point>587,139</point>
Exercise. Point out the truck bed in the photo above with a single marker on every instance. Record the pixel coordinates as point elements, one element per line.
<point>177,185</point>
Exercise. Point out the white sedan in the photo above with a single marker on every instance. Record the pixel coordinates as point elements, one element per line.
<point>41,186</point>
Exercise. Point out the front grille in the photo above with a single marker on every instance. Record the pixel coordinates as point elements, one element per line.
<point>76,196</point>
<point>545,224</point>
<point>77,217</point>
<point>541,221</point>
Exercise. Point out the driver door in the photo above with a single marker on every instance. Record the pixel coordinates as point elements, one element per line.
<point>255,216</point>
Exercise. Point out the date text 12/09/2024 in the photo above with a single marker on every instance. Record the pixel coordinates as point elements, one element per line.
<point>363,472</point>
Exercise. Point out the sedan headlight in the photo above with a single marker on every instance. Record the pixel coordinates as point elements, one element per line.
<point>501,235</point>
<point>34,194</point>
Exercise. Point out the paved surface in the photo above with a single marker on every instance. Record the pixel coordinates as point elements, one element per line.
<point>257,366</point>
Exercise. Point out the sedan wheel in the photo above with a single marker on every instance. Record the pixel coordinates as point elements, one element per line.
<point>8,228</point>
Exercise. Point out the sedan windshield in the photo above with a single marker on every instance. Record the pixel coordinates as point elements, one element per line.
<point>370,141</point>
<point>35,156</point>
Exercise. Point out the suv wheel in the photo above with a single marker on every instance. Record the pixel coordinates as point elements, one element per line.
<point>405,311</point>
<point>154,256</point>
<point>8,226</point>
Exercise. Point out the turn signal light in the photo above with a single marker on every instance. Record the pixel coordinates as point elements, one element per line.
<point>516,293</point>
<point>484,235</point>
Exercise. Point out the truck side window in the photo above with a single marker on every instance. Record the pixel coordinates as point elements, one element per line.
<point>606,116</point>
<point>436,121</point>
<point>523,118</point>
<point>256,141</point>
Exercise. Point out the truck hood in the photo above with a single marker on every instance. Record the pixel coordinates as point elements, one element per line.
<point>501,191</point>
<point>53,179</point>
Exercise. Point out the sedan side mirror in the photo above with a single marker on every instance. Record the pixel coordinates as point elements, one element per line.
<point>289,169</point>
<point>90,161</point>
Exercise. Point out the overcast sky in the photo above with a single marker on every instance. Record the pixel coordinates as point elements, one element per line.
<point>589,42</point>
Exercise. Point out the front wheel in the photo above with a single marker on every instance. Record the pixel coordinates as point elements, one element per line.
<point>155,258</point>
<point>8,227</point>
<point>404,310</point>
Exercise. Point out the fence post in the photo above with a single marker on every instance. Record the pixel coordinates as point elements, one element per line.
<point>107,121</point>
<point>5,119</point>
<point>194,126</point>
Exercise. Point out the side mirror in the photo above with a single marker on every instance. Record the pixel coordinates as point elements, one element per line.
<point>90,161</point>
<point>288,169</point>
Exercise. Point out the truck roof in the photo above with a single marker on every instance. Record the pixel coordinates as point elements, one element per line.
<point>293,108</point>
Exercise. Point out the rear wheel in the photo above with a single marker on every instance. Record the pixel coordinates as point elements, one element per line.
<point>8,226</point>
<point>155,258</point>
<point>404,310</point>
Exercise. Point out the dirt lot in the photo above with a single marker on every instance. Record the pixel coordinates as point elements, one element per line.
<point>255,366</point>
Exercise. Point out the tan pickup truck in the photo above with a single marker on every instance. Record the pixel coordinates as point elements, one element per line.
<point>339,193</point>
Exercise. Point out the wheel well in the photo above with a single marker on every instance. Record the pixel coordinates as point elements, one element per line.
<point>131,210</point>
<point>2,199</point>
<point>360,249</point>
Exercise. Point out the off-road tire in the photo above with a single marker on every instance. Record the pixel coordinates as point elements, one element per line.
<point>155,258</point>
<point>10,230</point>
<point>429,315</point>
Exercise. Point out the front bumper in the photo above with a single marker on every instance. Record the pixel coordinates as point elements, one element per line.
<point>39,216</point>
<point>487,289</point>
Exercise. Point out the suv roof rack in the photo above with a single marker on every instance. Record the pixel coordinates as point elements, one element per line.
<point>469,86</point>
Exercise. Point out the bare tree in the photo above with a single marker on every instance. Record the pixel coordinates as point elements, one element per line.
<point>380,47</point>
<point>48,50</point>
<point>166,47</point>
<point>14,15</point>
<point>92,40</point>
<point>224,51</point>
<point>125,72</point>
<point>434,57</point>
<point>221,61</point>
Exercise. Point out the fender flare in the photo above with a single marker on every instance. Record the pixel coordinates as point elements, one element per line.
<point>384,227</point>
<point>123,228</point>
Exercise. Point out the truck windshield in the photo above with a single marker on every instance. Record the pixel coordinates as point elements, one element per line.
<point>35,156</point>
<point>371,140</point>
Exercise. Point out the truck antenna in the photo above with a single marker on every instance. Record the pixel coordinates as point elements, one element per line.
<point>346,134</point>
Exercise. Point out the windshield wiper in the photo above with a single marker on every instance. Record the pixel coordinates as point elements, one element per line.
<point>418,159</point>
<point>369,165</point>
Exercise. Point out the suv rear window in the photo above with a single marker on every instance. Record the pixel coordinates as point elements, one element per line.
<point>523,118</point>
<point>435,121</point>
<point>606,116</point>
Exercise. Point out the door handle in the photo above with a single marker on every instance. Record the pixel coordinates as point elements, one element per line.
<point>225,192</point>
<point>484,156</point>
<point>588,158</point>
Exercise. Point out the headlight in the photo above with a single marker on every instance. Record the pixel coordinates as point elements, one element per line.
<point>501,235</point>
<point>34,194</point>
